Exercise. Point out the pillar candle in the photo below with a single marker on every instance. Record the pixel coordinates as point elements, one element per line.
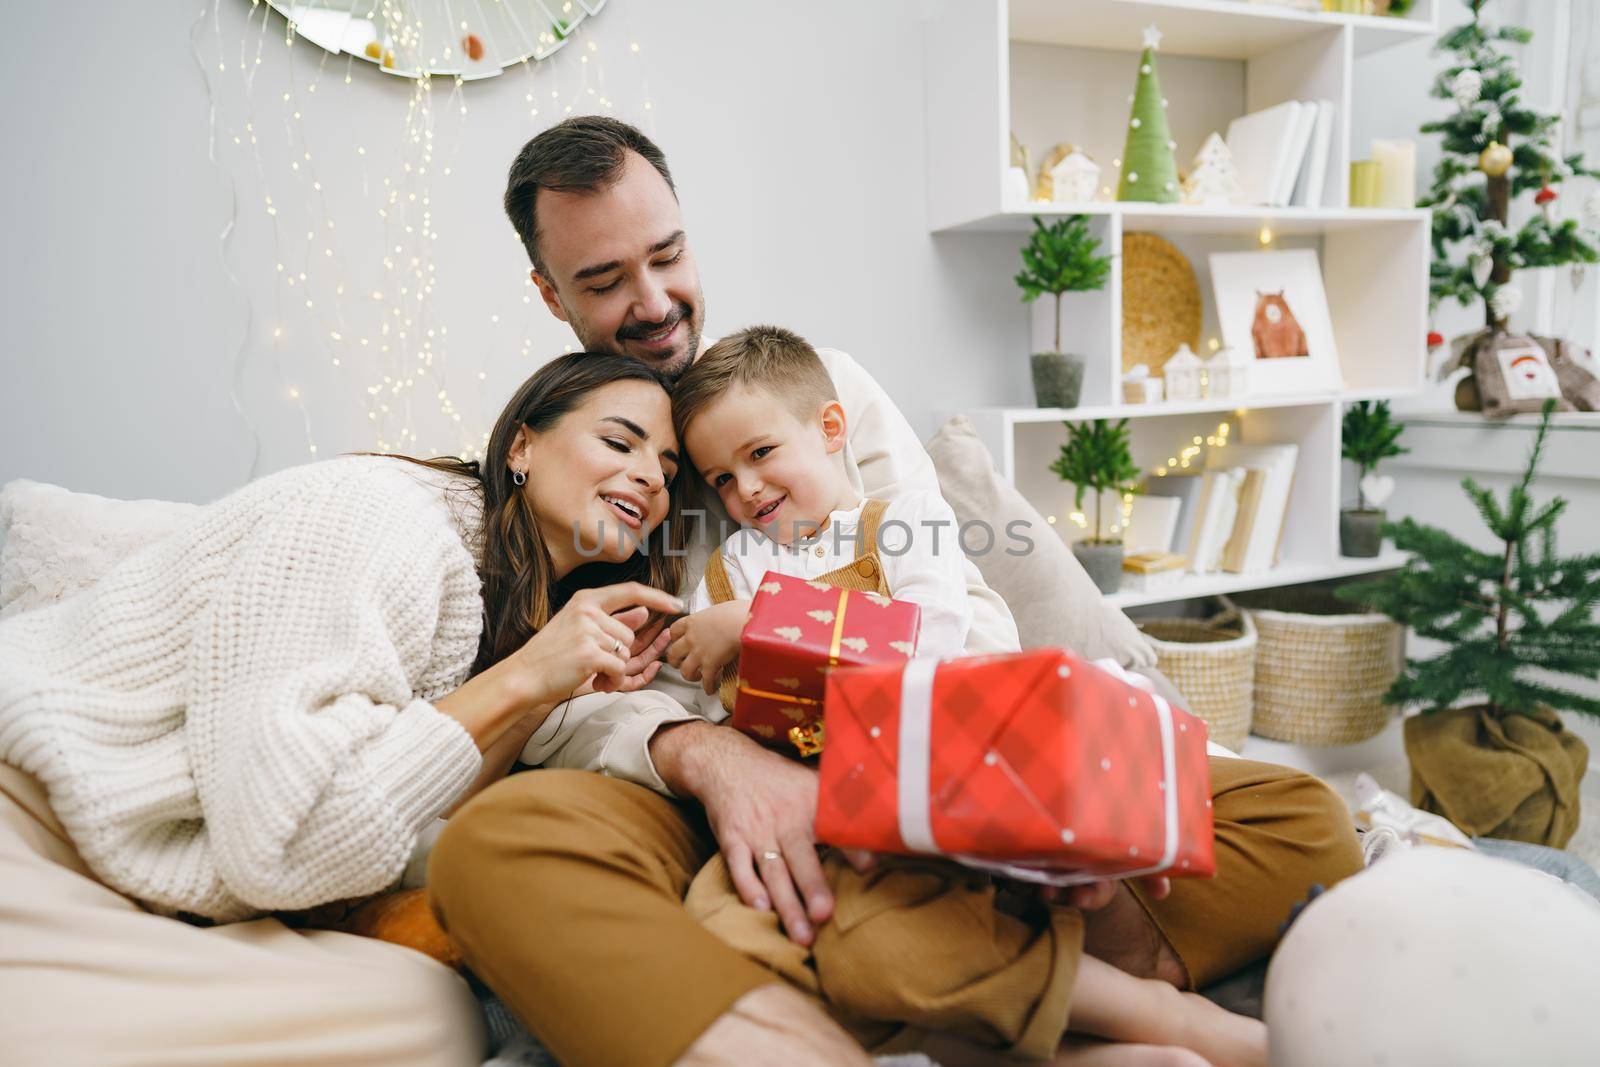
<point>1397,165</point>
<point>1363,183</point>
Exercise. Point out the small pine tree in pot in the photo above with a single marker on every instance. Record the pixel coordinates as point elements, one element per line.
<point>1370,437</point>
<point>1096,459</point>
<point>1060,257</point>
<point>1513,622</point>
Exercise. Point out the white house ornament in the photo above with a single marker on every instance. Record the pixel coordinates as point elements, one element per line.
<point>1183,373</point>
<point>1075,179</point>
<point>1466,87</point>
<point>1227,374</point>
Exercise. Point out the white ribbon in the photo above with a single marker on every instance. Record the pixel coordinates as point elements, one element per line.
<point>916,745</point>
<point>916,739</point>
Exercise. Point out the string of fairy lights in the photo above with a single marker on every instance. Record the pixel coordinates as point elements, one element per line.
<point>1186,457</point>
<point>365,309</point>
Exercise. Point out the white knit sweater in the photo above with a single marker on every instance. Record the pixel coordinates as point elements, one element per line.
<point>236,718</point>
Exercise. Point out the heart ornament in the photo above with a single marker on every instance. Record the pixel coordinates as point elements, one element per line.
<point>1377,488</point>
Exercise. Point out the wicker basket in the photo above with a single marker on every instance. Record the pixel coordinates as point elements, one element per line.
<point>1212,663</point>
<point>1321,671</point>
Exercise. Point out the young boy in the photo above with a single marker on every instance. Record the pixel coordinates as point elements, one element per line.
<point>914,944</point>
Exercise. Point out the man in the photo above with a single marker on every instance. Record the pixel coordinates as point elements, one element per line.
<point>564,890</point>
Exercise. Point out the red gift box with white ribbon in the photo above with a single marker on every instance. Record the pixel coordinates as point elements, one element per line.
<point>1037,764</point>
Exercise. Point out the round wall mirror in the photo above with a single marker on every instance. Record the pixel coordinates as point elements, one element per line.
<point>455,38</point>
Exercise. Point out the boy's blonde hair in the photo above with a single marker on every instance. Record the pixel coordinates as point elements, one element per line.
<point>770,358</point>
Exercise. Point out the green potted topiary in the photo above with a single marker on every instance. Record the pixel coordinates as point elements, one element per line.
<point>1060,258</point>
<point>1096,458</point>
<point>1370,437</point>
<point>1488,750</point>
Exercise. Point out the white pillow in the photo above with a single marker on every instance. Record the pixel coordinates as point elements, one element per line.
<point>1438,956</point>
<point>1050,595</point>
<point>54,542</point>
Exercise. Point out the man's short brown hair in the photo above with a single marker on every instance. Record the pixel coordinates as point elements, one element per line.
<point>578,155</point>
<point>769,358</point>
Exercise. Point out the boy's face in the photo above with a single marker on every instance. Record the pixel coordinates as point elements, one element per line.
<point>772,470</point>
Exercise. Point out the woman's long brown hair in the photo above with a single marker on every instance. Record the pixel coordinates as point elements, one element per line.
<point>520,591</point>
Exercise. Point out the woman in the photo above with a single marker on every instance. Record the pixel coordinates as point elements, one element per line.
<point>263,712</point>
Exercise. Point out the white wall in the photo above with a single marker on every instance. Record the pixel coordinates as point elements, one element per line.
<point>795,133</point>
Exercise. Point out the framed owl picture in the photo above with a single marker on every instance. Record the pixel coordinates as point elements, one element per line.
<point>1272,306</point>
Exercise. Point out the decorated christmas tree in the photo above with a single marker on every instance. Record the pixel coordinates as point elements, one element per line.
<point>1149,169</point>
<point>1512,620</point>
<point>1496,149</point>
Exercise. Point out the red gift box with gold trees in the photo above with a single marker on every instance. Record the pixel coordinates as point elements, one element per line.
<point>1038,764</point>
<point>798,631</point>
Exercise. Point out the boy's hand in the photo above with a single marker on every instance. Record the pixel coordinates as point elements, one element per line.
<point>705,642</point>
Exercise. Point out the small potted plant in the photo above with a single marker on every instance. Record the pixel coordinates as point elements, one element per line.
<point>1096,458</point>
<point>1488,750</point>
<point>1370,437</point>
<point>1059,258</point>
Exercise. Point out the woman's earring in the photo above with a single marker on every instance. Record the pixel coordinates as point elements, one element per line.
<point>519,477</point>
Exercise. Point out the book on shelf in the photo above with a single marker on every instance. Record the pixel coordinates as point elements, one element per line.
<point>1314,172</point>
<point>1185,488</point>
<point>1152,572</point>
<point>1255,543</point>
<point>1281,153</point>
<point>1152,524</point>
<point>1305,124</point>
<point>1244,523</point>
<point>1219,505</point>
<point>1259,143</point>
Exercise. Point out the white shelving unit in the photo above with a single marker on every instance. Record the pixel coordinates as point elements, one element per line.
<point>1062,70</point>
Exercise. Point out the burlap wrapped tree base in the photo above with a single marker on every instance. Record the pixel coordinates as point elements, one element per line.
<point>1508,775</point>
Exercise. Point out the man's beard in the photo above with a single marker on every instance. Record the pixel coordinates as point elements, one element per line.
<point>673,366</point>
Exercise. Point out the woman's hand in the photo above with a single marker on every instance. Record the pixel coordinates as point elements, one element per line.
<point>707,641</point>
<point>598,641</point>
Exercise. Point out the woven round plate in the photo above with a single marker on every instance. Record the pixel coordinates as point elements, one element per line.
<point>1160,302</point>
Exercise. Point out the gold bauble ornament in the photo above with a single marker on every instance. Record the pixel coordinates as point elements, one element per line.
<point>1495,160</point>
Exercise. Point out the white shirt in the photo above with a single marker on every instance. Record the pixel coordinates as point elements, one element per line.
<point>921,558</point>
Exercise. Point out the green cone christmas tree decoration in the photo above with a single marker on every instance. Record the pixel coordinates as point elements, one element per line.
<point>1149,168</point>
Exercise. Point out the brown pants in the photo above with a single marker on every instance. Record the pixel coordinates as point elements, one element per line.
<point>564,890</point>
<point>915,945</point>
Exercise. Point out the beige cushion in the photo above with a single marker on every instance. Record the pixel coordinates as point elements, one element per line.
<point>1047,589</point>
<point>54,542</point>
